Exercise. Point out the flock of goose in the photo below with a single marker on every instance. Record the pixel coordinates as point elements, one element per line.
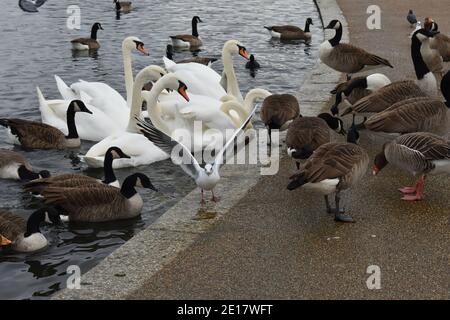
<point>184,92</point>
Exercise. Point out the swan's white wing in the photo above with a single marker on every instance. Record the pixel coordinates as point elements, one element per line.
<point>189,164</point>
<point>64,89</point>
<point>219,158</point>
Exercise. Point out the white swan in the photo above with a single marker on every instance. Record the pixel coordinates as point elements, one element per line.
<point>101,95</point>
<point>203,80</point>
<point>134,144</point>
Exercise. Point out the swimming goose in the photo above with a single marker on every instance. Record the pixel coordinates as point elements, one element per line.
<point>332,168</point>
<point>424,86</point>
<point>440,42</point>
<point>25,236</point>
<point>419,153</point>
<point>202,60</point>
<point>289,32</point>
<point>187,40</point>
<point>14,166</point>
<point>357,88</point>
<point>346,58</point>
<point>37,135</point>
<point>306,134</point>
<point>278,111</point>
<point>123,6</point>
<point>88,43</point>
<point>411,17</point>
<point>415,114</point>
<point>100,203</point>
<point>207,177</point>
<point>78,180</point>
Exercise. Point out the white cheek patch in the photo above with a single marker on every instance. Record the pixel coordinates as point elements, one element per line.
<point>139,183</point>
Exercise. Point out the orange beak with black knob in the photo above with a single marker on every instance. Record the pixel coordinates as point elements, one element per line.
<point>182,91</point>
<point>143,50</point>
<point>243,52</point>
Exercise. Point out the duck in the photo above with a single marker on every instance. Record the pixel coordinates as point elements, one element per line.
<point>357,88</point>
<point>347,58</point>
<point>252,64</point>
<point>202,80</point>
<point>415,114</point>
<point>123,6</point>
<point>331,169</point>
<point>25,235</point>
<point>186,40</point>
<point>288,32</point>
<point>103,96</point>
<point>134,144</point>
<point>100,203</point>
<point>76,180</point>
<point>424,86</point>
<point>207,177</point>
<point>306,134</point>
<point>202,60</point>
<point>411,18</point>
<point>37,135</point>
<point>440,42</point>
<point>278,111</point>
<point>420,153</point>
<point>88,43</point>
<point>14,166</point>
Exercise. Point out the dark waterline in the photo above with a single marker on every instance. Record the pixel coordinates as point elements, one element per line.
<point>35,46</point>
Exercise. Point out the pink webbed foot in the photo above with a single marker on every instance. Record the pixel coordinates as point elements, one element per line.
<point>408,190</point>
<point>412,198</point>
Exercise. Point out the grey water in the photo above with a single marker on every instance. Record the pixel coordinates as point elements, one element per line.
<point>35,46</point>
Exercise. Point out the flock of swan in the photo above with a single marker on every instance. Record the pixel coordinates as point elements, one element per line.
<point>186,92</point>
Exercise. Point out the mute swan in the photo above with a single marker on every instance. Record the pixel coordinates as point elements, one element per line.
<point>203,80</point>
<point>101,95</point>
<point>134,144</point>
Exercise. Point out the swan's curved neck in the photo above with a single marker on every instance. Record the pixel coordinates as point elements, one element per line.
<point>232,83</point>
<point>252,96</point>
<point>153,109</point>
<point>136,102</point>
<point>234,106</point>
<point>128,71</point>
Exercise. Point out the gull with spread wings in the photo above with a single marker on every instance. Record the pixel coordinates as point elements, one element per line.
<point>207,177</point>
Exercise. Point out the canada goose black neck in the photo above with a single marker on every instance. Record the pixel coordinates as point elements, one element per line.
<point>337,37</point>
<point>169,52</point>
<point>25,174</point>
<point>34,222</point>
<point>420,67</point>
<point>445,88</point>
<point>357,83</point>
<point>118,6</point>
<point>194,27</point>
<point>107,166</point>
<point>307,24</point>
<point>94,30</point>
<point>128,187</point>
<point>72,128</point>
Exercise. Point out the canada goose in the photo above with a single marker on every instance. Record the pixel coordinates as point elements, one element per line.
<point>100,203</point>
<point>14,166</point>
<point>187,40</point>
<point>440,42</point>
<point>36,135</point>
<point>31,6</point>
<point>202,60</point>
<point>306,134</point>
<point>353,134</point>
<point>415,114</point>
<point>278,111</point>
<point>252,64</point>
<point>419,153</point>
<point>4,241</point>
<point>424,86</point>
<point>344,57</point>
<point>123,6</point>
<point>411,17</point>
<point>432,57</point>
<point>25,236</point>
<point>289,32</point>
<point>88,43</point>
<point>332,168</point>
<point>77,180</point>
<point>207,177</point>
<point>357,88</point>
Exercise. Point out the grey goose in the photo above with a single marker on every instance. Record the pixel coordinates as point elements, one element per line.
<point>419,153</point>
<point>331,169</point>
<point>14,166</point>
<point>100,203</point>
<point>424,86</point>
<point>188,40</point>
<point>306,134</point>
<point>289,32</point>
<point>88,43</point>
<point>77,180</point>
<point>344,57</point>
<point>25,235</point>
<point>37,135</point>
